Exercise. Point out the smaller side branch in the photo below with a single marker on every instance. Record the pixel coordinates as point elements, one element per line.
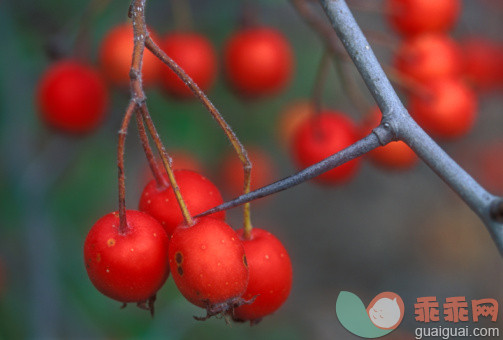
<point>381,135</point>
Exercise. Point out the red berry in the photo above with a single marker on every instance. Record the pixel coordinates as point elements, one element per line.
<point>483,61</point>
<point>320,137</point>
<point>270,275</point>
<point>115,57</point>
<point>232,174</point>
<point>410,17</point>
<point>395,155</point>
<point>208,264</point>
<point>72,97</point>
<point>429,56</point>
<point>291,117</point>
<point>194,53</point>
<point>258,61</point>
<point>197,191</point>
<point>448,112</point>
<point>129,267</point>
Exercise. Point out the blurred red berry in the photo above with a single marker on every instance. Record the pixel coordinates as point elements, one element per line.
<point>72,97</point>
<point>483,63</point>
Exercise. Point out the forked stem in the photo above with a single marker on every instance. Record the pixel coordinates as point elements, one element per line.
<point>236,144</point>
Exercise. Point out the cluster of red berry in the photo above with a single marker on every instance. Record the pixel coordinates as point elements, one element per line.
<point>73,97</point>
<point>246,275</point>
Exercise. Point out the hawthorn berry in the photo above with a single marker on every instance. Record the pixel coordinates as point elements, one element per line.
<point>321,136</point>
<point>428,56</point>
<point>130,266</point>
<point>270,275</point>
<point>291,117</point>
<point>194,53</point>
<point>258,61</point>
<point>411,17</point>
<point>197,191</point>
<point>483,61</point>
<point>395,155</point>
<point>448,111</point>
<point>72,97</point>
<point>232,174</point>
<point>115,57</point>
<point>209,265</point>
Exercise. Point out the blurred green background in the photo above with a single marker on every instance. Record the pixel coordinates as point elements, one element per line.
<point>384,231</point>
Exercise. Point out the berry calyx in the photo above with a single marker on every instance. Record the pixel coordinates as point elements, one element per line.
<point>194,53</point>
<point>448,112</point>
<point>197,191</point>
<point>270,276</point>
<point>130,266</point>
<point>258,61</point>
<point>395,155</point>
<point>115,57</point>
<point>320,137</point>
<point>72,97</point>
<point>209,265</point>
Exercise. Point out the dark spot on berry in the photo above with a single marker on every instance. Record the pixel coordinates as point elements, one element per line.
<point>245,261</point>
<point>180,270</point>
<point>178,257</point>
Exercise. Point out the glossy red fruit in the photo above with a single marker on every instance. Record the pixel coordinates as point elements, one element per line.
<point>208,264</point>
<point>410,17</point>
<point>320,137</point>
<point>194,53</point>
<point>258,61</point>
<point>270,275</point>
<point>115,56</point>
<point>483,60</point>
<point>395,155</point>
<point>72,97</point>
<point>198,193</point>
<point>429,56</point>
<point>232,174</point>
<point>449,111</point>
<point>128,267</point>
<point>291,117</point>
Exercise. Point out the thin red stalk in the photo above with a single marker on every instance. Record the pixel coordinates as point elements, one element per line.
<point>238,147</point>
<point>159,178</point>
<point>120,165</point>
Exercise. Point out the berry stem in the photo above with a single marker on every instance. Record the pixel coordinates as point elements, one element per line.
<point>236,144</point>
<point>120,165</point>
<point>166,160</point>
<point>159,178</point>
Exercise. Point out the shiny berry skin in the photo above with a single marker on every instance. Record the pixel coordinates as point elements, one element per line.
<point>258,61</point>
<point>411,17</point>
<point>208,263</point>
<point>320,137</point>
<point>232,174</point>
<point>72,97</point>
<point>198,193</point>
<point>449,111</point>
<point>483,60</point>
<point>115,55</point>
<point>181,159</point>
<point>291,117</point>
<point>429,56</point>
<point>128,267</point>
<point>270,275</point>
<point>194,53</point>
<point>395,155</point>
